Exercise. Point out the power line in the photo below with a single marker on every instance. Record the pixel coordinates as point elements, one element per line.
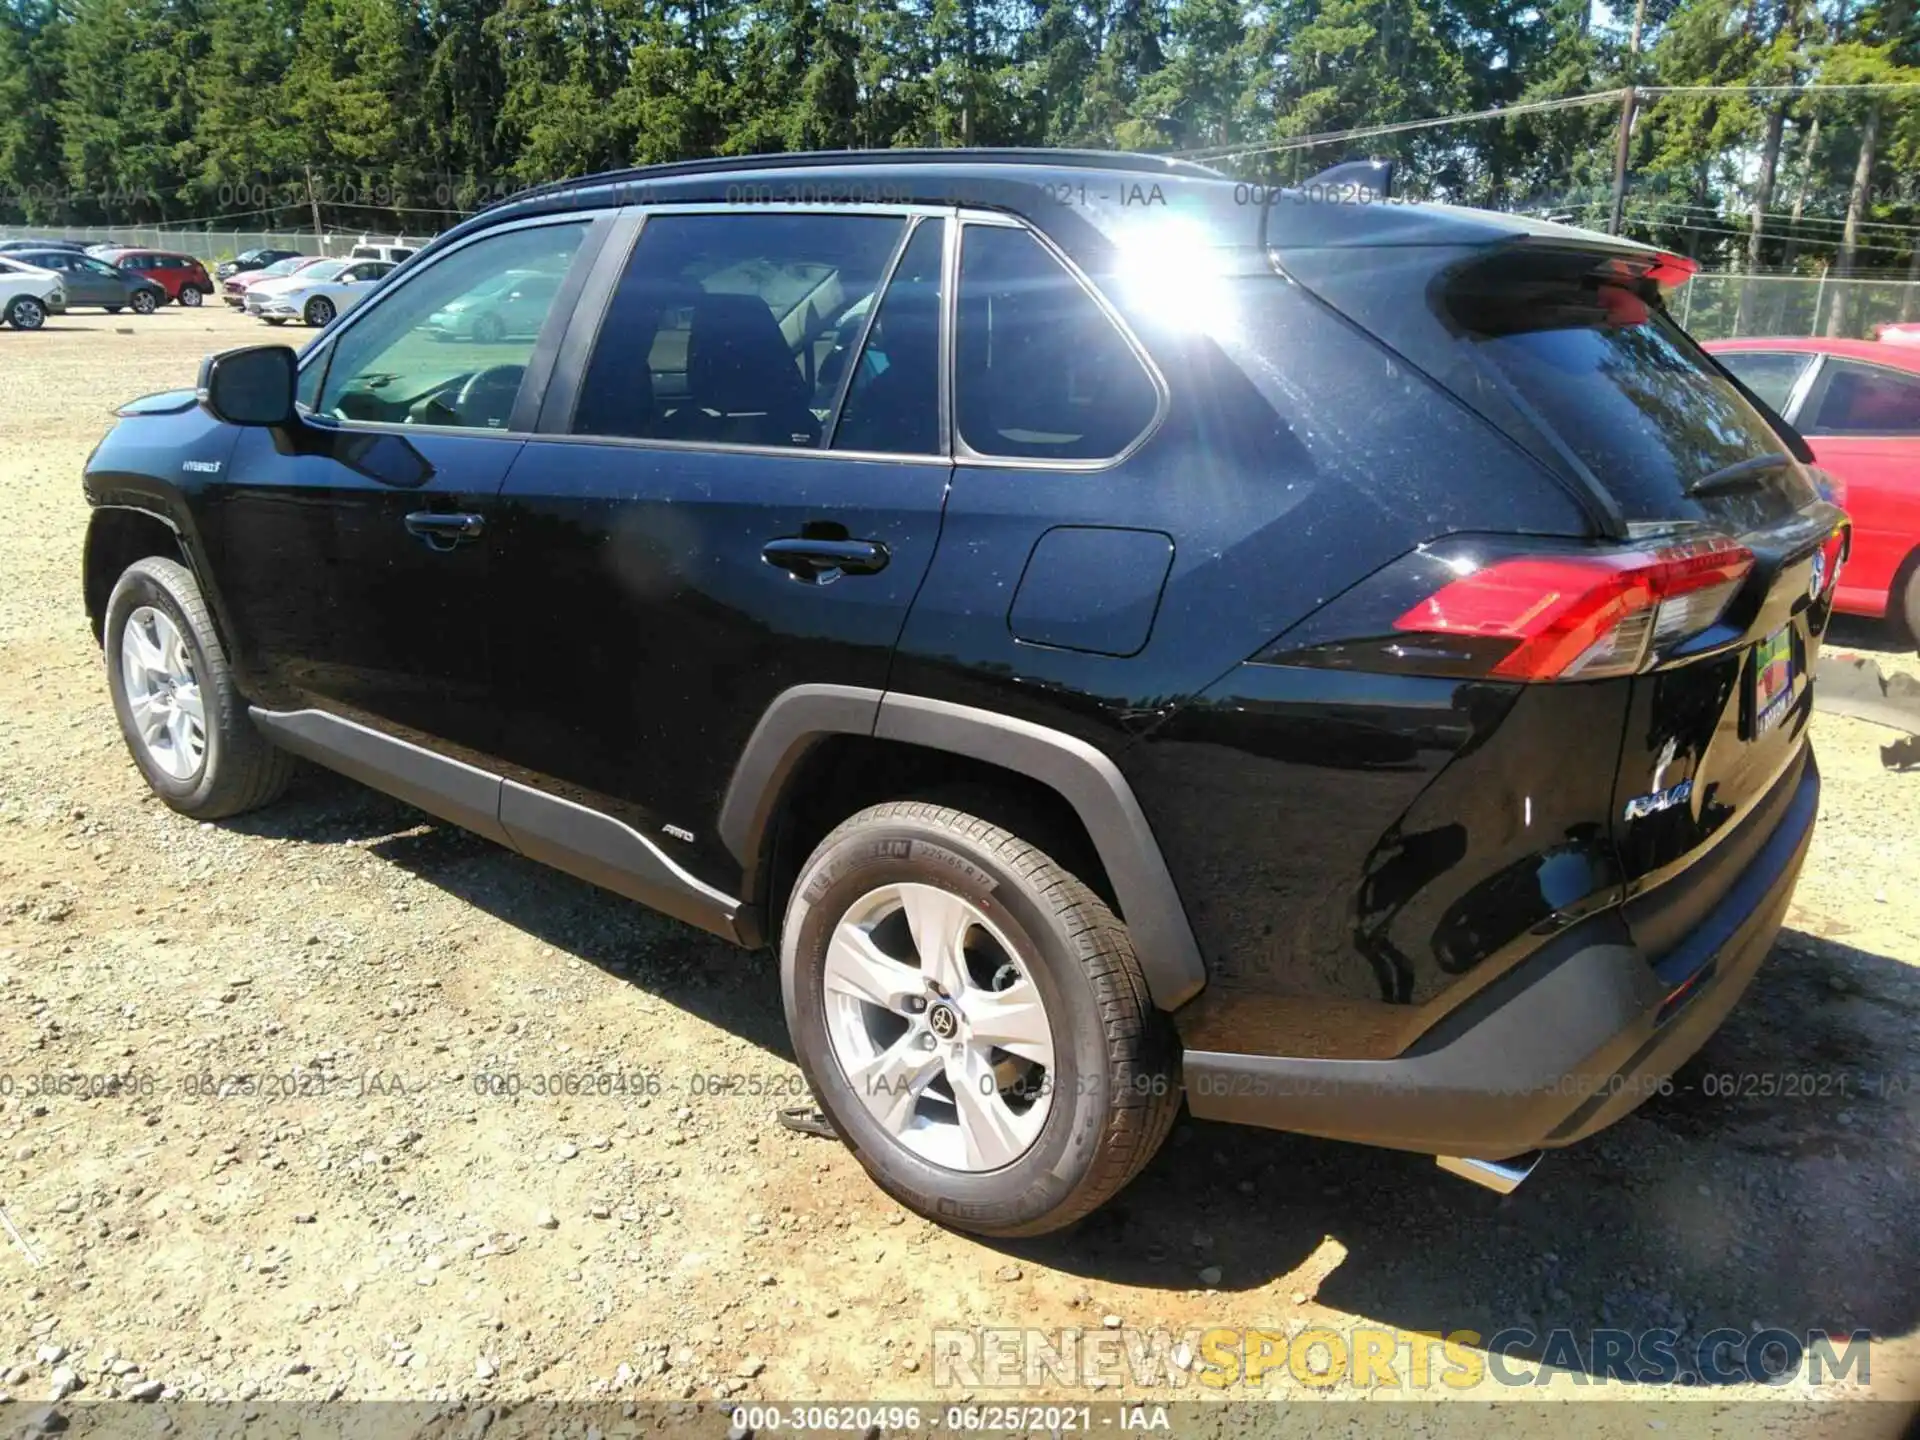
<point>1597,97</point>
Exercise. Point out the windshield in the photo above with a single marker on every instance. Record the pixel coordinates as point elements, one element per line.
<point>283,267</point>
<point>324,269</point>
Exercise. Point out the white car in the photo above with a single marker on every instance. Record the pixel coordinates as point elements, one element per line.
<point>29,294</point>
<point>317,293</point>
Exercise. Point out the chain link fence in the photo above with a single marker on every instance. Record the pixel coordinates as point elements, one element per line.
<point>1721,307</point>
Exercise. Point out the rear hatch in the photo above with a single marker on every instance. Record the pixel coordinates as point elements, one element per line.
<point>1563,342</point>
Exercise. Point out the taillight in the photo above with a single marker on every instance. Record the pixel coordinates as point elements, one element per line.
<point>1586,616</point>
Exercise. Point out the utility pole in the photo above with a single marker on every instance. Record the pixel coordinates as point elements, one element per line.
<point>314,200</point>
<point>1628,101</point>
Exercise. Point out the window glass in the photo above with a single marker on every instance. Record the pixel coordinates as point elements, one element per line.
<point>893,398</point>
<point>723,326</point>
<point>1041,370</point>
<point>434,351</point>
<point>1867,400</point>
<point>1770,374</point>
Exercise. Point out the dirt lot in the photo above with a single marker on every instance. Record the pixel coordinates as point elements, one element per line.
<point>385,1230</point>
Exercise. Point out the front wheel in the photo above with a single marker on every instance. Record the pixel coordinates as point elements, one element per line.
<point>144,302</point>
<point>26,313</point>
<point>1907,600</point>
<point>179,708</point>
<point>974,1021</point>
<point>190,296</point>
<point>319,312</point>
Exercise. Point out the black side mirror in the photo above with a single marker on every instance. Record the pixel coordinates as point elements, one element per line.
<point>253,385</point>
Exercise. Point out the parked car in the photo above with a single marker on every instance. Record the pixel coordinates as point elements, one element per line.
<point>1351,664</point>
<point>8,247</point>
<point>1898,333</point>
<point>91,281</point>
<point>1857,402</point>
<point>512,306</point>
<point>396,250</point>
<point>182,277</point>
<point>316,294</point>
<point>247,260</point>
<point>234,289</point>
<point>29,294</point>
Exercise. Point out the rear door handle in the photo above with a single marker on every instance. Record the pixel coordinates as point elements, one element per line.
<point>442,531</point>
<point>821,562</point>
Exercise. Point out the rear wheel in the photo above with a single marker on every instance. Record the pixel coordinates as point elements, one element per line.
<point>144,302</point>
<point>26,313</point>
<point>319,312</point>
<point>974,1021</point>
<point>190,296</point>
<point>181,713</point>
<point>488,330</point>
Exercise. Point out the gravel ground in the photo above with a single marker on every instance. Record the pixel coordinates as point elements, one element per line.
<point>279,1175</point>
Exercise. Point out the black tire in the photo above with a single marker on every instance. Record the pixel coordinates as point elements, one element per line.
<point>1906,600</point>
<point>319,312</point>
<point>1115,1090</point>
<point>489,330</point>
<point>191,296</point>
<point>144,302</point>
<point>240,770</point>
<point>26,313</point>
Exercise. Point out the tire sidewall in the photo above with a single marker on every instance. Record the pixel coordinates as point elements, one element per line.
<point>143,303</point>
<point>140,587</point>
<point>901,849</point>
<point>319,313</point>
<point>34,313</point>
<point>190,296</point>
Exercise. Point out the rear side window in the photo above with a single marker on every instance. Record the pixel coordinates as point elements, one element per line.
<point>724,326</point>
<point>1866,400</point>
<point>1041,369</point>
<point>1770,374</point>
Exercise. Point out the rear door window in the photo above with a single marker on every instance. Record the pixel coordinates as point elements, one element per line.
<point>893,392</point>
<point>723,324</point>
<point>1860,399</point>
<point>1042,371</point>
<point>1770,374</point>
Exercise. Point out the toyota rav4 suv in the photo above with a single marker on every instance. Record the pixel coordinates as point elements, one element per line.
<point>1116,634</point>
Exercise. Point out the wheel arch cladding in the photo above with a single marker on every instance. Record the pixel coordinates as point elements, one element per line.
<point>1084,777</point>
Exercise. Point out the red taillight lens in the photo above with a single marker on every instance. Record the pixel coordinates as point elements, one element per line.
<point>1585,616</point>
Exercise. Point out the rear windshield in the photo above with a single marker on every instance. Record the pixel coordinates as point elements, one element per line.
<point>1613,377</point>
<point>1565,352</point>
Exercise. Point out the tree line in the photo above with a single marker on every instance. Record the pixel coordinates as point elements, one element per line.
<point>403,113</point>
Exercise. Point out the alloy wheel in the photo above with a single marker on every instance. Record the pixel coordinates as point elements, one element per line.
<point>319,312</point>
<point>142,302</point>
<point>190,296</point>
<point>163,693</point>
<point>26,313</point>
<point>938,1027</point>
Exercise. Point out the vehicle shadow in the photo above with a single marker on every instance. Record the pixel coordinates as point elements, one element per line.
<point>1774,1187</point>
<point>736,990</point>
<point>1857,632</point>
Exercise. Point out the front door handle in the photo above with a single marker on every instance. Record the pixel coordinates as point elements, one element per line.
<point>821,562</point>
<point>442,531</point>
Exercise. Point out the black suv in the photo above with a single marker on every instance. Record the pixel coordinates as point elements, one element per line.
<point>1117,633</point>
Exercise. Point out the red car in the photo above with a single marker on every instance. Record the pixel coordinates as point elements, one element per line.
<point>184,278</point>
<point>1857,402</point>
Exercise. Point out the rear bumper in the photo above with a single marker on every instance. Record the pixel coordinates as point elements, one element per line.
<point>1572,1039</point>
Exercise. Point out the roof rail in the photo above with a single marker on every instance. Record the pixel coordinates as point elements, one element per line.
<point>826,159</point>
